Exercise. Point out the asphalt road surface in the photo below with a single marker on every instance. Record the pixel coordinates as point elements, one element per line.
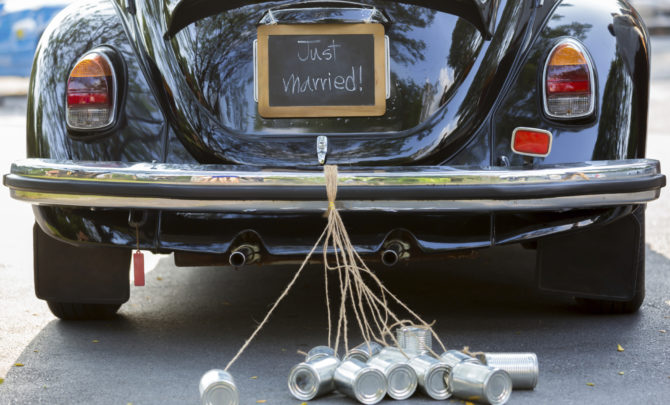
<point>187,321</point>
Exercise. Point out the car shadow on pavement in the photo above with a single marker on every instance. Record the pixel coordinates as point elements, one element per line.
<point>189,320</point>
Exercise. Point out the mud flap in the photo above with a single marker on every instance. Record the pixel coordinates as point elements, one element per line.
<point>601,263</point>
<point>70,274</point>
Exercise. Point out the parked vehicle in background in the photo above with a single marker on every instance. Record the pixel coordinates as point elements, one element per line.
<point>655,13</point>
<point>22,23</point>
<point>200,127</point>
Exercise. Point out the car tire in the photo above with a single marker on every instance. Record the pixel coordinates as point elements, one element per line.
<point>623,307</point>
<point>79,312</point>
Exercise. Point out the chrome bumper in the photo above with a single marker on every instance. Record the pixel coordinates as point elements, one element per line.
<point>247,189</point>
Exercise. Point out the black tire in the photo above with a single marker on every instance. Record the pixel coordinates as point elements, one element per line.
<point>80,312</point>
<point>623,307</point>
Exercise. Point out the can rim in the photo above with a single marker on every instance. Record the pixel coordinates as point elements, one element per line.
<point>430,371</point>
<point>504,396</point>
<point>299,393</point>
<point>369,399</point>
<point>401,393</point>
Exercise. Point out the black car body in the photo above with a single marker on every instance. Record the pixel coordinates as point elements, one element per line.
<point>186,163</point>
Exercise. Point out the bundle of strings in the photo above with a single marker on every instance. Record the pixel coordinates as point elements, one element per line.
<point>361,292</point>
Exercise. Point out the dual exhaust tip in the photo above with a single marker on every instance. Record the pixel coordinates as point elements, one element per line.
<point>392,253</point>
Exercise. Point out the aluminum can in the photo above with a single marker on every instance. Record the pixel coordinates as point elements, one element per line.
<point>522,367</point>
<point>432,376</point>
<point>477,382</point>
<point>394,354</point>
<point>217,387</point>
<point>360,381</point>
<point>364,351</point>
<point>414,340</point>
<point>400,376</point>
<point>453,357</point>
<point>320,351</point>
<point>313,378</point>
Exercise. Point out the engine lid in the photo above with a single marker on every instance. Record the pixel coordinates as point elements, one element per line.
<point>444,75</point>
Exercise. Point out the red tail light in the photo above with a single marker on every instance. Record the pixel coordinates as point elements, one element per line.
<point>531,142</point>
<point>568,82</point>
<point>91,90</point>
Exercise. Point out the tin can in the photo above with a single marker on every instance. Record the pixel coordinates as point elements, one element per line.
<point>453,357</point>
<point>432,376</point>
<point>523,368</point>
<point>313,378</point>
<point>394,354</point>
<point>360,381</point>
<point>477,382</point>
<point>364,351</point>
<point>400,377</point>
<point>217,387</point>
<point>414,340</point>
<point>320,351</point>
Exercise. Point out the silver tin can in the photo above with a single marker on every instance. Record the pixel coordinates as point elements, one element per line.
<point>453,357</point>
<point>477,382</point>
<point>394,354</point>
<point>414,340</point>
<point>400,376</point>
<point>364,351</point>
<point>320,351</point>
<point>360,381</point>
<point>313,378</point>
<point>522,367</point>
<point>217,387</point>
<point>432,376</point>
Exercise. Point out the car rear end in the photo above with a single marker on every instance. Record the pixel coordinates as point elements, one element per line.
<point>184,129</point>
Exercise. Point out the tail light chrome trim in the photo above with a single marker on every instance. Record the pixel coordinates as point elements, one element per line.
<point>116,96</point>
<point>592,82</point>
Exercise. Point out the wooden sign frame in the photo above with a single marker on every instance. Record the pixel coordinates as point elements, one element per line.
<point>263,66</point>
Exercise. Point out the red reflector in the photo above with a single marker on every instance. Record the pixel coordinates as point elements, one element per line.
<point>87,98</point>
<point>568,87</point>
<point>531,142</point>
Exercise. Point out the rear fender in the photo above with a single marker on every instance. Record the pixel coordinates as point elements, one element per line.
<point>617,41</point>
<point>140,136</point>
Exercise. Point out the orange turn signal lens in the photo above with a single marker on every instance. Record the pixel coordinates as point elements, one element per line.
<point>531,142</point>
<point>567,55</point>
<point>92,65</point>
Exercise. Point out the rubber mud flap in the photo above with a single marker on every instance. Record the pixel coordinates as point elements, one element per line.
<point>600,263</point>
<point>66,273</point>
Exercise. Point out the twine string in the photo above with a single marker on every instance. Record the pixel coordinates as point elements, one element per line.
<point>371,306</point>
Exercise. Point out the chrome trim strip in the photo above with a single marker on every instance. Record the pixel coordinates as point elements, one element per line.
<point>541,204</point>
<point>223,177</point>
<point>387,54</point>
<point>255,70</point>
<point>235,176</point>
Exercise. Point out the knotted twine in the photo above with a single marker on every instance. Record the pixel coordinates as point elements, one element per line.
<point>370,305</point>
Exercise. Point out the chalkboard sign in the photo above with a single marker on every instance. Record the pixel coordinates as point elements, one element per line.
<point>321,70</point>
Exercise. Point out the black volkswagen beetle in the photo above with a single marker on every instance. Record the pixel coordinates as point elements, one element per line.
<point>200,127</point>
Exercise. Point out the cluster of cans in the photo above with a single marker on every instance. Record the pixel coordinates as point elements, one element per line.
<point>369,372</point>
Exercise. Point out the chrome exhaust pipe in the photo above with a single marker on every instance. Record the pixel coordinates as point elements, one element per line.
<point>394,251</point>
<point>243,255</point>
